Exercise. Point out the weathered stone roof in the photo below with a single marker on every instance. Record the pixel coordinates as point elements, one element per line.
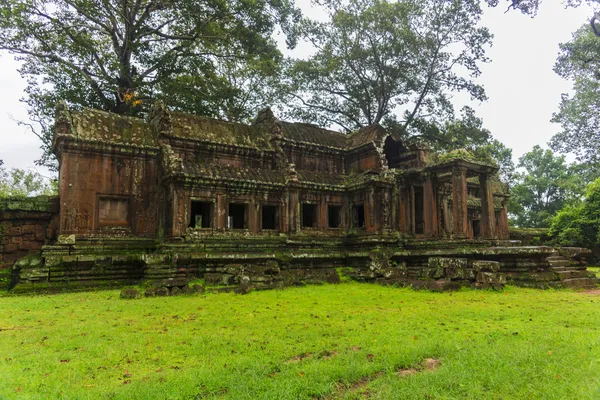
<point>368,134</point>
<point>101,126</point>
<point>227,173</point>
<point>321,179</point>
<point>312,134</point>
<point>189,126</point>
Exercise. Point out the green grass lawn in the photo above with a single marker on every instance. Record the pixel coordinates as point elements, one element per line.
<point>326,342</point>
<point>595,270</point>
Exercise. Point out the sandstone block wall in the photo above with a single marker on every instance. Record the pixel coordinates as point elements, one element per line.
<point>26,224</point>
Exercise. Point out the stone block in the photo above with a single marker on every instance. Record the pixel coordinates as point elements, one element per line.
<point>28,228</point>
<point>10,248</point>
<point>486,266</point>
<point>175,291</point>
<point>491,278</point>
<point>155,259</point>
<point>66,239</point>
<point>199,288</point>
<point>449,268</point>
<point>187,290</point>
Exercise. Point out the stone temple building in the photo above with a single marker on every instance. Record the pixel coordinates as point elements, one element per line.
<point>177,196</point>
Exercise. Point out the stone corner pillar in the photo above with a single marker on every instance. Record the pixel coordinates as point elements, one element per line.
<point>488,218</point>
<point>459,203</point>
<point>430,207</point>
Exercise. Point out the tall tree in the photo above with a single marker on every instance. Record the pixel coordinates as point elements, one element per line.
<point>544,185</point>
<point>579,113</point>
<point>394,63</point>
<point>119,55</point>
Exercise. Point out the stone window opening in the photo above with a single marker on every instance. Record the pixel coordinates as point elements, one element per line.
<point>358,215</point>
<point>334,216</point>
<point>393,151</point>
<point>476,224</point>
<point>309,215</point>
<point>270,217</point>
<point>419,210</point>
<point>238,216</point>
<point>201,214</point>
<point>113,212</point>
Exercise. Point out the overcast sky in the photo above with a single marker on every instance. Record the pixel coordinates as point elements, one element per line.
<point>523,90</point>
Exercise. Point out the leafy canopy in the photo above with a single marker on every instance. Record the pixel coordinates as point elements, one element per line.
<point>394,63</point>
<point>579,113</point>
<point>121,55</point>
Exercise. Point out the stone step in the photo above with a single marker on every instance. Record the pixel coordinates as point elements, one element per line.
<point>561,263</point>
<point>571,274</point>
<point>579,283</point>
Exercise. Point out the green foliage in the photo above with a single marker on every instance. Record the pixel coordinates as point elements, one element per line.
<point>578,225</point>
<point>579,61</point>
<point>20,183</point>
<point>394,63</point>
<point>468,133</point>
<point>544,186</point>
<point>300,343</point>
<point>122,55</point>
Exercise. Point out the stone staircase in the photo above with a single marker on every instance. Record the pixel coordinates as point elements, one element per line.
<point>571,270</point>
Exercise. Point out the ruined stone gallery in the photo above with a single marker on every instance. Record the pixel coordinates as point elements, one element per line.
<point>176,197</point>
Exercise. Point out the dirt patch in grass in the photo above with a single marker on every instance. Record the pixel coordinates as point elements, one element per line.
<point>593,292</point>
<point>298,358</point>
<point>428,364</point>
<point>360,386</point>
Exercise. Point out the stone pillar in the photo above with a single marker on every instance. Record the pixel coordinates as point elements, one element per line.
<point>293,211</point>
<point>254,221</point>
<point>488,219</point>
<point>346,213</point>
<point>502,230</point>
<point>447,215</point>
<point>430,208</point>
<point>323,215</point>
<point>459,202</point>
<point>221,212</point>
<point>413,222</point>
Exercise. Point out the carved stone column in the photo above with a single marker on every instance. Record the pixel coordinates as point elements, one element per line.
<point>488,220</point>
<point>459,202</point>
<point>430,207</point>
<point>221,212</point>
<point>413,221</point>
<point>293,211</point>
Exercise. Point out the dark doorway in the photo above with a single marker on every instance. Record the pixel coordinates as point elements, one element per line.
<point>419,211</point>
<point>334,215</point>
<point>393,152</point>
<point>237,216</point>
<point>358,216</point>
<point>476,228</point>
<point>270,217</point>
<point>309,215</point>
<point>200,216</point>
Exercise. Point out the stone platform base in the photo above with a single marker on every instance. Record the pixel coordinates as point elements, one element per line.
<point>283,261</point>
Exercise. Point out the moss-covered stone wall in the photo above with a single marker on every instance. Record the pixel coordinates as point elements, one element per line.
<point>26,224</point>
